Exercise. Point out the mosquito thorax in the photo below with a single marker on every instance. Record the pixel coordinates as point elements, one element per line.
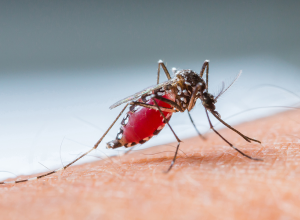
<point>186,82</point>
<point>190,78</point>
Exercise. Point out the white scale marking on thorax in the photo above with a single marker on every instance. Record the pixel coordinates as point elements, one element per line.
<point>183,99</point>
<point>185,92</point>
<point>179,90</point>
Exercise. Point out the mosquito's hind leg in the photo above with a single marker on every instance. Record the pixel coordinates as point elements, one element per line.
<point>78,158</point>
<point>231,145</point>
<point>178,140</point>
<point>161,64</point>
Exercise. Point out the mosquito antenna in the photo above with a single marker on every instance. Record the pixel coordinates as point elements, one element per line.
<point>223,91</point>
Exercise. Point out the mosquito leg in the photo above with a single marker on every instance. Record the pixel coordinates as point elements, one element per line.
<point>161,64</point>
<point>198,86</point>
<point>191,105</point>
<point>153,106</point>
<point>200,135</point>
<point>205,66</point>
<point>99,141</point>
<point>173,104</point>
<point>78,158</point>
<point>178,140</point>
<point>227,125</point>
<point>194,96</point>
<point>212,127</point>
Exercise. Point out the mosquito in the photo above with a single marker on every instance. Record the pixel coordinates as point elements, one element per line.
<point>151,109</point>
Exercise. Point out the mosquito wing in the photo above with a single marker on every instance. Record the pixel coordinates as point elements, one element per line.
<point>139,94</point>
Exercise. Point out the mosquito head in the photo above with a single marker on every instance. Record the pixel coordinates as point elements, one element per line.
<point>209,101</point>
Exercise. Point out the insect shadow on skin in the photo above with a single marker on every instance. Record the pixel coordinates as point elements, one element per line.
<point>159,102</point>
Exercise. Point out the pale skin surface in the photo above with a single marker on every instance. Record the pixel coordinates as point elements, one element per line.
<point>212,182</point>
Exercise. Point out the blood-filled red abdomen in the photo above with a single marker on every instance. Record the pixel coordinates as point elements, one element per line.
<point>141,123</point>
<point>145,122</point>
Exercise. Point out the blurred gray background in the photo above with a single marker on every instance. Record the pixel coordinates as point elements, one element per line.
<point>63,63</point>
<point>74,34</point>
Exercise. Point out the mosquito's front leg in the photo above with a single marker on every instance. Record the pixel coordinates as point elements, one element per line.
<point>161,64</point>
<point>228,126</point>
<point>231,145</point>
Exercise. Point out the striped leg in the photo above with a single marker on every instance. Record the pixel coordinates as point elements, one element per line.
<point>78,158</point>
<point>231,145</point>
<point>239,133</point>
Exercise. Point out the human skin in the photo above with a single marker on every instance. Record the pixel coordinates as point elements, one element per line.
<point>212,181</point>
